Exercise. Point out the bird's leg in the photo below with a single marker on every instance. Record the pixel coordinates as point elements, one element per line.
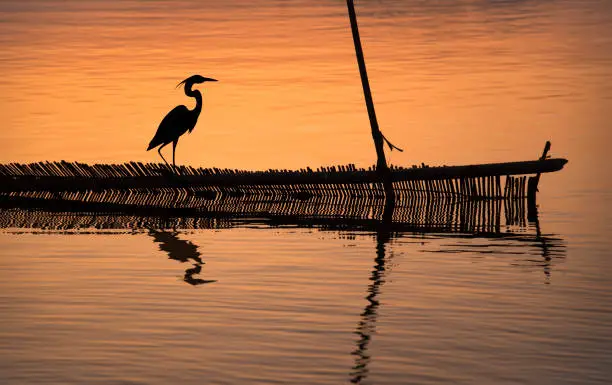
<point>160,154</point>
<point>173,151</point>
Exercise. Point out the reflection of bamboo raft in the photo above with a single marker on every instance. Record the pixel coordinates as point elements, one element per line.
<point>189,208</point>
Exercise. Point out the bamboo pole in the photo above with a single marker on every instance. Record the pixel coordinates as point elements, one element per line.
<point>532,188</point>
<point>381,163</point>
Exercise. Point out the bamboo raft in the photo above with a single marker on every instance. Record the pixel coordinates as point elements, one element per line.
<point>467,199</point>
<point>482,181</point>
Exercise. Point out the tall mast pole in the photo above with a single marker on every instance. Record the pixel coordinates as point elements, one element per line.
<point>377,136</point>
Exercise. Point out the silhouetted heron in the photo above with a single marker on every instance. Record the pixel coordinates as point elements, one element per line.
<point>180,119</point>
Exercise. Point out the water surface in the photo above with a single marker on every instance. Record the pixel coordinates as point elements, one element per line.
<point>454,82</point>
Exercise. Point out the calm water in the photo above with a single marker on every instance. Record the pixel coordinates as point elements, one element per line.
<point>454,82</point>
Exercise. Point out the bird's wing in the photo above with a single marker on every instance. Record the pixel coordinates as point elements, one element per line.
<point>171,126</point>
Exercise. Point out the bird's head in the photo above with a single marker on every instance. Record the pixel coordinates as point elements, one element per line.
<point>195,79</point>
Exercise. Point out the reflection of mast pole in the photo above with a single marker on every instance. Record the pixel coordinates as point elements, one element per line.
<point>367,324</point>
<point>543,245</point>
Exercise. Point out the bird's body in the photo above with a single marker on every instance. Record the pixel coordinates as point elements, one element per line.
<point>179,120</point>
<point>175,123</point>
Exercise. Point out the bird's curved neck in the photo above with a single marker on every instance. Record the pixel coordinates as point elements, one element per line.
<point>194,94</point>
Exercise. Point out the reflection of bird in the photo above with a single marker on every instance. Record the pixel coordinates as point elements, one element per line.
<point>181,251</point>
<point>180,119</point>
<point>177,249</point>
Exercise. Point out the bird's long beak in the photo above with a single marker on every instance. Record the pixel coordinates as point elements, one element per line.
<point>203,79</point>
